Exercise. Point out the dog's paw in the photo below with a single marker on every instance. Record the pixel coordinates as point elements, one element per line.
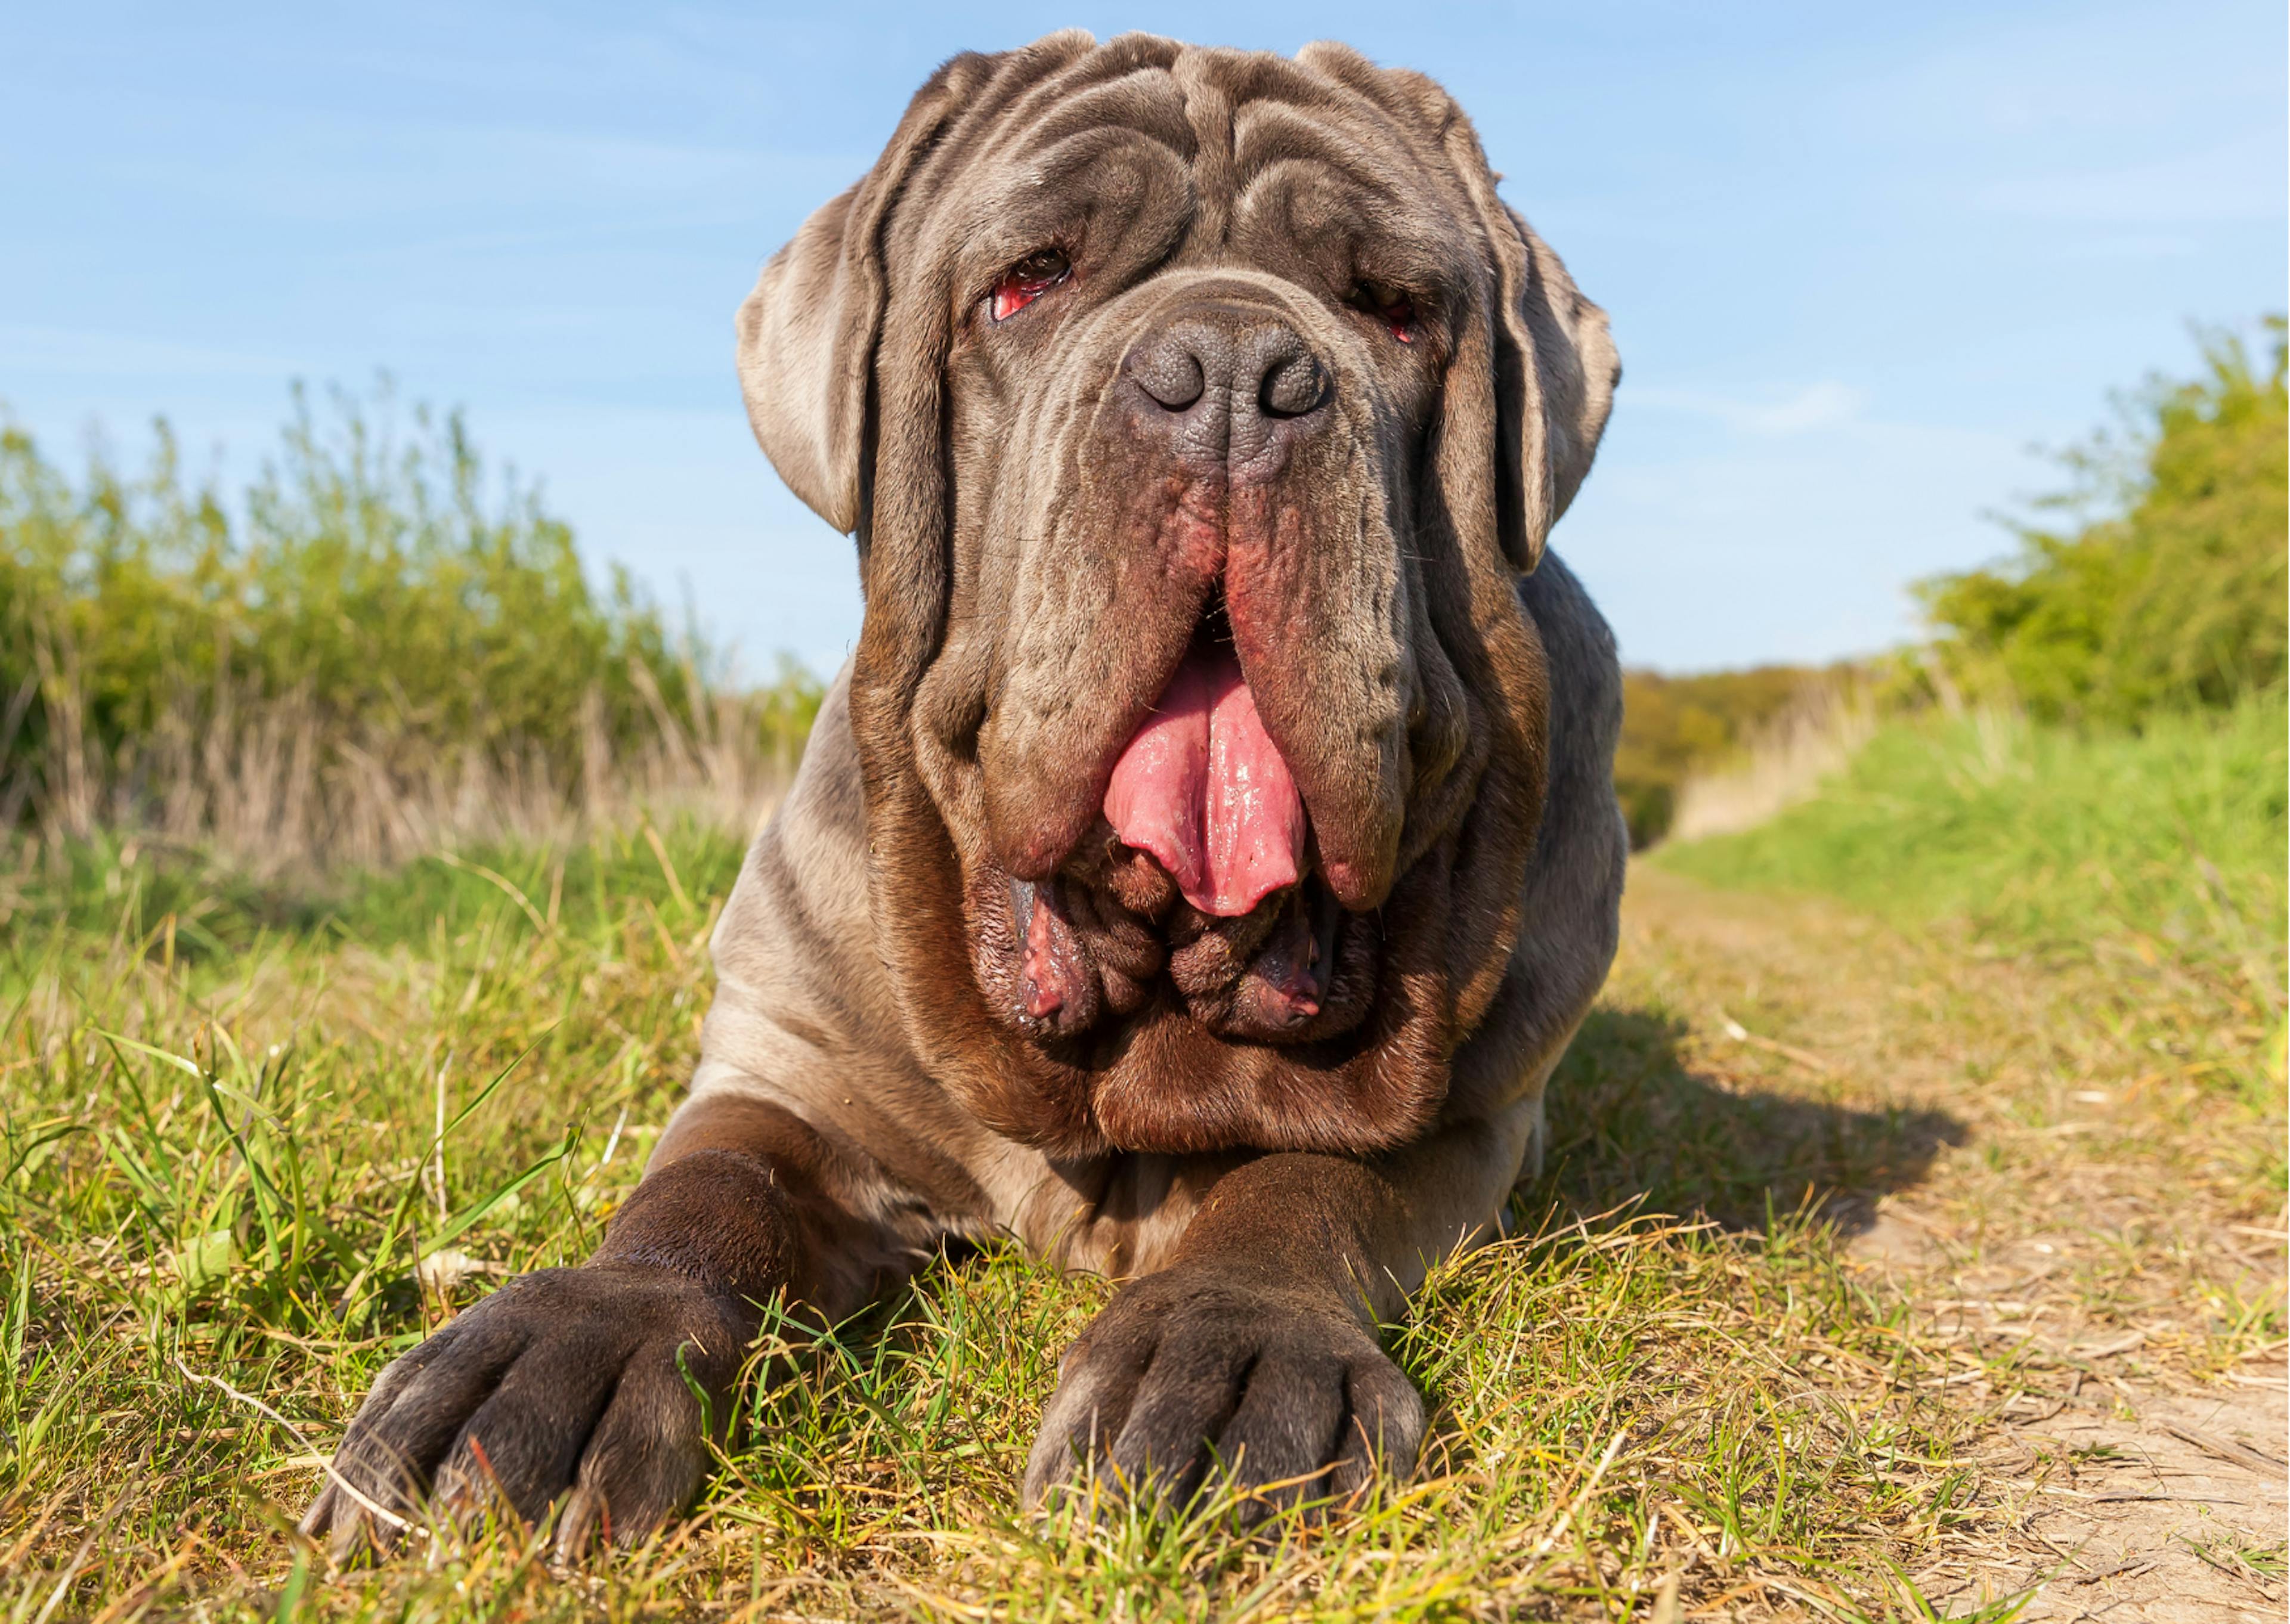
<point>572,1381</point>
<point>1195,1375</point>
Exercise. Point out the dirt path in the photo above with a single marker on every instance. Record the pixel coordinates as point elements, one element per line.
<point>2052,1173</point>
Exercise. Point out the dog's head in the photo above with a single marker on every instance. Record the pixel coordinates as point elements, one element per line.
<point>1195,410</point>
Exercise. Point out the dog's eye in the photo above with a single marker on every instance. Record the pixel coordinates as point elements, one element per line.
<point>1027,281</point>
<point>1390,306</point>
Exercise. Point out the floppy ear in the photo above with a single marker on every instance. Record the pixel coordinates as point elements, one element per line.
<point>807,334</point>
<point>1555,366</point>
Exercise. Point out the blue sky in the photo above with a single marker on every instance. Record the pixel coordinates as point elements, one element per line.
<point>1859,260</point>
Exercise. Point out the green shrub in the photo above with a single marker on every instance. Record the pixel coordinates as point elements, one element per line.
<point>373,613</point>
<point>2173,596</point>
<point>370,576</point>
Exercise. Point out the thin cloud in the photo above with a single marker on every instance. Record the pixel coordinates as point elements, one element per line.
<point>2237,183</point>
<point>82,354</point>
<point>1814,407</point>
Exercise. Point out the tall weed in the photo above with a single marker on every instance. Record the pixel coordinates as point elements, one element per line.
<point>376,650</point>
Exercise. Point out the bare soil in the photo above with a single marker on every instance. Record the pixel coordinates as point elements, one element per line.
<point>2099,1226</point>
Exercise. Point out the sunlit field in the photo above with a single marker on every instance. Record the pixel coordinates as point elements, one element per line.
<point>1910,1245</point>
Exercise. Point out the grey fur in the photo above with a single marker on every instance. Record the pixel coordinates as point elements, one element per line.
<point>1038,551</point>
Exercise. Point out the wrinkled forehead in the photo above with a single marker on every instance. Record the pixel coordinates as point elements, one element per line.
<point>1198,154</point>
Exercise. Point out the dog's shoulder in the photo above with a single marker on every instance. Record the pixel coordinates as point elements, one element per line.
<point>1571,905</point>
<point>1586,672</point>
<point>801,898</point>
<point>805,1013</point>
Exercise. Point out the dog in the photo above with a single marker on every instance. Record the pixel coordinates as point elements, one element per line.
<point>1211,846</point>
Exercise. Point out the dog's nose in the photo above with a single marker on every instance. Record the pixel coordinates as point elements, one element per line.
<point>1228,387</point>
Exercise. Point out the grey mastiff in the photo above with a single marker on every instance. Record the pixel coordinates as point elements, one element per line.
<point>1210,848</point>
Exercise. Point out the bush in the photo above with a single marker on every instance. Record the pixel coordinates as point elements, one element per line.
<point>374,618</point>
<point>2172,598</point>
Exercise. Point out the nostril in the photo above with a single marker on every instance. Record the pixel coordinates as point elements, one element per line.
<point>1170,375</point>
<point>1293,387</point>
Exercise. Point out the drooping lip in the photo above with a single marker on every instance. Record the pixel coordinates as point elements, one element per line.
<point>1312,786</point>
<point>1202,786</point>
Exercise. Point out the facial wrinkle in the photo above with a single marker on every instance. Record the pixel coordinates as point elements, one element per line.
<point>1209,108</point>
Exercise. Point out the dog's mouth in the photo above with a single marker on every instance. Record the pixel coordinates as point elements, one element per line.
<point>1195,890</point>
<point>1202,787</point>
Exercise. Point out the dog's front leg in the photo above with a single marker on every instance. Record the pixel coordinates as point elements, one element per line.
<point>1253,1354</point>
<point>604,1382</point>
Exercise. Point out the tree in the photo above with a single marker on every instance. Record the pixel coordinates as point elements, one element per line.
<point>2172,596</point>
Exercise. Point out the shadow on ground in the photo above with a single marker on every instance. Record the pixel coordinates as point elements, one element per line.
<point>1631,1121</point>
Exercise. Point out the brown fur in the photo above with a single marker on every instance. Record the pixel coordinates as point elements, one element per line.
<point>1040,541</point>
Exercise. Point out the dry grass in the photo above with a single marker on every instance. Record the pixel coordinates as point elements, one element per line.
<point>1784,764</point>
<point>275,785</point>
<point>1910,1235</point>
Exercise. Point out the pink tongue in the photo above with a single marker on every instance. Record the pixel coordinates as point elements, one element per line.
<point>1203,789</point>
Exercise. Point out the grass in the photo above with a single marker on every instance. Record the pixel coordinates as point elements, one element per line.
<point>1945,1106</point>
<point>222,1179</point>
<point>2165,845</point>
<point>126,890</point>
<point>2128,890</point>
